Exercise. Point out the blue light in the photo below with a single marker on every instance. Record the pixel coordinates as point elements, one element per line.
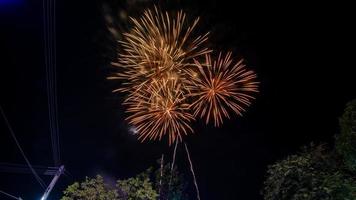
<point>10,2</point>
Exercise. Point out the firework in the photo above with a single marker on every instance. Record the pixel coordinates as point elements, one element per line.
<point>166,85</point>
<point>159,109</point>
<point>158,43</point>
<point>220,86</point>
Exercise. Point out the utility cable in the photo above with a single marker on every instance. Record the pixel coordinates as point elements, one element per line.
<point>40,181</point>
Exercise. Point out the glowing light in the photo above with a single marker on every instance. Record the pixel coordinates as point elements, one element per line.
<point>10,2</point>
<point>133,130</point>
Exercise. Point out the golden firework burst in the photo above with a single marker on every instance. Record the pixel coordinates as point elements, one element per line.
<point>158,43</point>
<point>165,84</point>
<point>219,86</point>
<point>159,109</point>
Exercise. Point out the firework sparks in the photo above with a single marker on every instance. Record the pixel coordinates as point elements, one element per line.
<point>159,109</point>
<point>166,85</point>
<point>158,43</point>
<point>219,86</point>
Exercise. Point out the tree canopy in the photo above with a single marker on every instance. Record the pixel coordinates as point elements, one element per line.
<point>148,185</point>
<point>317,173</point>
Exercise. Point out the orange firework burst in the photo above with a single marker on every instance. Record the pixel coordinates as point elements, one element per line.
<point>159,109</point>
<point>158,43</point>
<point>218,86</point>
<point>167,87</point>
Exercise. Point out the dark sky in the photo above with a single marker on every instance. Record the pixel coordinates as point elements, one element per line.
<point>303,54</point>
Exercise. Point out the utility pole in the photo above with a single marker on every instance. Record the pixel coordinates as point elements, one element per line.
<point>53,182</point>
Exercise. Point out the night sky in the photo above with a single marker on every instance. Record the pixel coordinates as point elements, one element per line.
<point>303,55</point>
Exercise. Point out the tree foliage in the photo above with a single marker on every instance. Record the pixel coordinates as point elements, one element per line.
<point>140,187</point>
<point>310,175</point>
<point>90,189</point>
<point>171,186</point>
<point>137,188</point>
<point>346,140</point>
<point>317,174</point>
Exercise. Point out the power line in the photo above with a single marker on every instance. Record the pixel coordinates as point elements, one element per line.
<point>23,169</point>
<point>49,31</point>
<point>54,70</point>
<point>55,74</point>
<point>9,195</point>
<point>40,181</point>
